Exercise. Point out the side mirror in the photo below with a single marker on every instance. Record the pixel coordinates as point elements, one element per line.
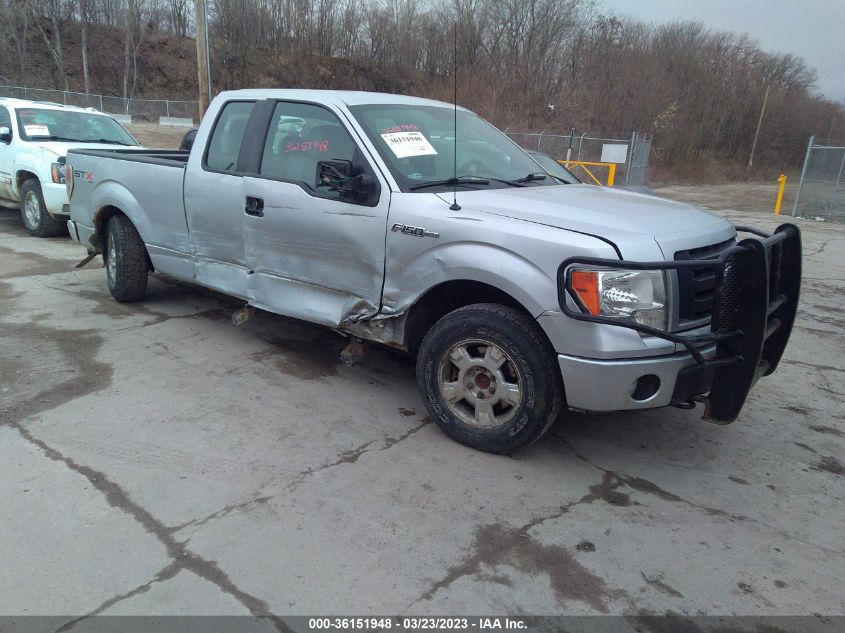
<point>338,176</point>
<point>5,135</point>
<point>334,174</point>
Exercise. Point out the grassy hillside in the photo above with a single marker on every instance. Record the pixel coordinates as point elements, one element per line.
<point>166,67</point>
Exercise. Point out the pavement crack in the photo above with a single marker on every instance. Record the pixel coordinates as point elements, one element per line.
<point>77,349</point>
<point>815,366</point>
<point>823,246</point>
<point>390,442</point>
<point>346,457</point>
<point>234,507</point>
<point>351,456</point>
<point>166,573</point>
<point>608,491</point>
<point>496,545</point>
<point>180,555</point>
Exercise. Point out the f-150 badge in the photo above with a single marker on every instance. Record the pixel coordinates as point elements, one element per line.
<point>416,231</point>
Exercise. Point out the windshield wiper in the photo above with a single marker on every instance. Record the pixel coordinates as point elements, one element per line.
<point>103,140</point>
<point>68,139</point>
<point>451,182</point>
<point>535,175</point>
<point>52,138</point>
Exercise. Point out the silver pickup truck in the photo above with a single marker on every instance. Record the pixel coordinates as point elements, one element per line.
<point>519,294</point>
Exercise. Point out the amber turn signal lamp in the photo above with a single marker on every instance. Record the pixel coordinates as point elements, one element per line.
<point>586,286</point>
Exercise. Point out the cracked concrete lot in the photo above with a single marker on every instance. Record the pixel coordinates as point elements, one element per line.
<point>156,459</point>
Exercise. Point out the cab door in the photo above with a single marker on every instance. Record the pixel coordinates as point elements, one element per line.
<point>214,203</point>
<point>6,158</point>
<point>314,253</point>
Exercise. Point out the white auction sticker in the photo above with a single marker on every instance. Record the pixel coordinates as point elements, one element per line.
<point>407,144</point>
<point>36,130</point>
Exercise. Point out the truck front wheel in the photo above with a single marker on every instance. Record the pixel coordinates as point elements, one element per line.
<point>126,260</point>
<point>489,379</point>
<point>34,214</point>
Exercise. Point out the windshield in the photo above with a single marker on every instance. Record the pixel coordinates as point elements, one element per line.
<point>41,124</point>
<point>418,144</point>
<point>554,168</point>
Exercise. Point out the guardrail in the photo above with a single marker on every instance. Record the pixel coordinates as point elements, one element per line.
<point>611,170</point>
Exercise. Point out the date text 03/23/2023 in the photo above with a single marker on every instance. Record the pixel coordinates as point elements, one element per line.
<point>416,623</point>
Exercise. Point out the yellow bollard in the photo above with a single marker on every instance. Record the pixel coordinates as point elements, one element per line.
<point>781,187</point>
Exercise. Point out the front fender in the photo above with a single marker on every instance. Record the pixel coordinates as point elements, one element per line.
<point>491,264</point>
<point>32,163</point>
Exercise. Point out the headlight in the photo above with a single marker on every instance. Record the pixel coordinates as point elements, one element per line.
<point>57,173</point>
<point>636,295</point>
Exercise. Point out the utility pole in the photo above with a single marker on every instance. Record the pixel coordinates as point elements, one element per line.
<point>203,62</point>
<point>759,123</point>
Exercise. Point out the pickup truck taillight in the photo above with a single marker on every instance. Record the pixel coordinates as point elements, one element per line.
<point>69,180</point>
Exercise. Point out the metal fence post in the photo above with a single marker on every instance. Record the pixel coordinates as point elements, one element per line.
<point>167,107</point>
<point>803,173</point>
<point>839,175</point>
<point>630,162</point>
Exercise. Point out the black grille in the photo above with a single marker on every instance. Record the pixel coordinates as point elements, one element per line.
<point>730,293</point>
<point>695,285</point>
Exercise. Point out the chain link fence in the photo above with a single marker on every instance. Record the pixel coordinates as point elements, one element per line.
<point>821,190</point>
<point>139,109</point>
<point>633,172</point>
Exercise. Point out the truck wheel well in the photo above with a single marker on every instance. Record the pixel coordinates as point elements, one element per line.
<point>22,176</point>
<point>101,220</point>
<point>442,299</point>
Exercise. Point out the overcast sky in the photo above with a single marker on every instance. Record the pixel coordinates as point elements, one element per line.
<point>811,29</point>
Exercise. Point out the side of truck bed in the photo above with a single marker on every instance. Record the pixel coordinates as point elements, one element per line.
<point>146,185</point>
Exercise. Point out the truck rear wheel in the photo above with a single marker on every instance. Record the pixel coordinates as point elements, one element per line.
<point>489,379</point>
<point>126,260</point>
<point>34,214</point>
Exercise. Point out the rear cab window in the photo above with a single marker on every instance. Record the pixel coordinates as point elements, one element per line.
<point>224,146</point>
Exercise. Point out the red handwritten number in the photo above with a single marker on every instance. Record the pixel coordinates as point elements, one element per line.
<point>308,146</point>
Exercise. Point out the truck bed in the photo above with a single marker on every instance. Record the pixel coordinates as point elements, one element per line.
<point>145,185</point>
<point>166,157</point>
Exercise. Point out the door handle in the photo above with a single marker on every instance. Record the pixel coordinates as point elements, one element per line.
<point>254,206</point>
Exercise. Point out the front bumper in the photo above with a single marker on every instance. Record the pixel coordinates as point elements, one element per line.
<point>55,199</point>
<point>611,385</point>
<point>755,297</point>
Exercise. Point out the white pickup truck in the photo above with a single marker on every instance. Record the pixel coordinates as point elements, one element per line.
<point>519,294</point>
<point>34,140</point>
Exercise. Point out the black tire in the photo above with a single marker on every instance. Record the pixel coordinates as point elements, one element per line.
<point>126,260</point>
<point>530,364</point>
<point>40,223</point>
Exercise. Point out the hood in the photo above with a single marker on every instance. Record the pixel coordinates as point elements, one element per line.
<point>632,221</point>
<point>60,148</point>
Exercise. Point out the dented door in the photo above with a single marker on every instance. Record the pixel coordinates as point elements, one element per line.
<point>214,204</point>
<point>314,254</point>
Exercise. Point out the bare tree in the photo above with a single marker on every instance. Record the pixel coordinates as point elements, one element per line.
<point>133,36</point>
<point>179,16</point>
<point>85,8</point>
<point>52,10</point>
